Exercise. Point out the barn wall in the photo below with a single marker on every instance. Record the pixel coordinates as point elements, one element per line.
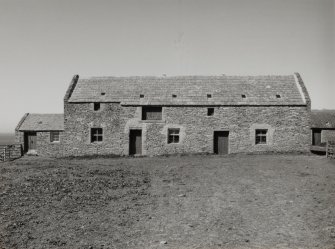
<point>288,129</point>
<point>80,118</point>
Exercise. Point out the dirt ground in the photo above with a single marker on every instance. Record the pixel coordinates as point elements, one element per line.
<point>241,201</point>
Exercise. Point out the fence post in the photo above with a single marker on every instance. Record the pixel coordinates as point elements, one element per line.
<point>327,149</point>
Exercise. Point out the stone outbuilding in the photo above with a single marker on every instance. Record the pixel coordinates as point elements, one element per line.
<point>40,133</point>
<point>323,127</point>
<point>180,114</point>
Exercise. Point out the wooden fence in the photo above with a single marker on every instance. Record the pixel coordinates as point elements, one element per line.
<point>10,152</point>
<point>330,151</point>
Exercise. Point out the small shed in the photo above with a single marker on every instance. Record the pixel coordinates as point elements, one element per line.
<point>323,127</point>
<point>40,133</point>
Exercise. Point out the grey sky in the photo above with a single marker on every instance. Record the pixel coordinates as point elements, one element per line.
<point>44,43</point>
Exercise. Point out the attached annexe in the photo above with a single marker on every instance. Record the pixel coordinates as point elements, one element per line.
<point>41,133</point>
<point>184,114</point>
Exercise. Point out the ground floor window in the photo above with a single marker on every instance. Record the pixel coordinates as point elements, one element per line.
<point>261,136</point>
<point>54,136</point>
<point>96,135</point>
<point>173,135</point>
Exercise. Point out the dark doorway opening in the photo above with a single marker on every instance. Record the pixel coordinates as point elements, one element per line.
<point>30,141</point>
<point>135,142</point>
<point>221,142</point>
<point>316,137</point>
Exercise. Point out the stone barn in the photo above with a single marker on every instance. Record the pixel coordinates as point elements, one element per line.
<point>323,127</point>
<point>183,114</point>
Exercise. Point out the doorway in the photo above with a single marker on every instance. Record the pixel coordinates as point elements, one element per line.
<point>30,141</point>
<point>221,142</point>
<point>135,142</point>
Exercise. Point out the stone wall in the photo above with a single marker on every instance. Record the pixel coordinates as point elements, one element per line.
<point>288,129</point>
<point>327,135</point>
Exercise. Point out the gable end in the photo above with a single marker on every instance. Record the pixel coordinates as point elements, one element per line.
<point>71,87</point>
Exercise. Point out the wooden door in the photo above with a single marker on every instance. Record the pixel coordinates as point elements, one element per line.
<point>135,142</point>
<point>30,141</point>
<point>221,142</point>
<point>316,137</point>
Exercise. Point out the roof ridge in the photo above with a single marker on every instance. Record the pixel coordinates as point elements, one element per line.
<point>182,76</point>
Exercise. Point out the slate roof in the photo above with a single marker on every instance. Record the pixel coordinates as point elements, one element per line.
<point>42,122</point>
<point>190,90</point>
<point>323,119</point>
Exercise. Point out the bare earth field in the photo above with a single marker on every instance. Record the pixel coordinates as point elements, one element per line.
<point>241,201</point>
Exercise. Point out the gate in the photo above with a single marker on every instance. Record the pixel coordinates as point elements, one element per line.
<point>10,152</point>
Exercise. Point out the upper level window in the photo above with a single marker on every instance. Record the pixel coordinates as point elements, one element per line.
<point>261,136</point>
<point>96,135</point>
<point>243,96</point>
<point>151,113</point>
<point>173,135</point>
<point>210,111</point>
<point>209,96</point>
<point>96,106</point>
<point>278,96</point>
<point>54,136</point>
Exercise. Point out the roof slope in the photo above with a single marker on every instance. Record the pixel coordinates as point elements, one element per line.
<point>42,122</point>
<point>190,90</point>
<point>323,119</point>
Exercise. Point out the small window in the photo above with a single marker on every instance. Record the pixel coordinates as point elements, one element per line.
<point>96,135</point>
<point>261,136</point>
<point>54,136</point>
<point>210,111</point>
<point>141,96</point>
<point>173,136</point>
<point>96,106</point>
<point>151,113</point>
<point>103,93</point>
<point>209,96</point>
<point>174,96</point>
<point>278,96</point>
<point>243,96</point>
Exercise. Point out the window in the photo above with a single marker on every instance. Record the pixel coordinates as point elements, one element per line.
<point>54,136</point>
<point>151,113</point>
<point>96,106</point>
<point>103,93</point>
<point>174,96</point>
<point>243,96</point>
<point>278,96</point>
<point>261,136</point>
<point>173,136</point>
<point>96,135</point>
<point>209,95</point>
<point>210,111</point>
<point>141,96</point>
